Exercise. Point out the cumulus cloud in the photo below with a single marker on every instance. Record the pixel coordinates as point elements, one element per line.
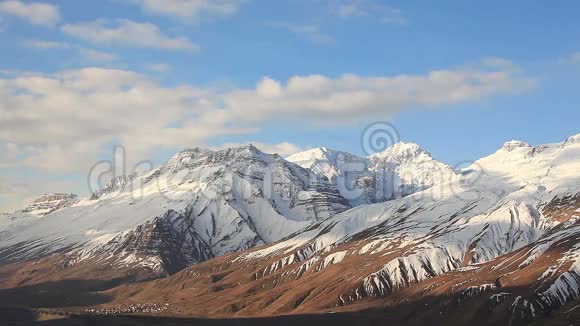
<point>351,97</point>
<point>128,33</point>
<point>34,12</point>
<point>65,121</point>
<point>61,122</point>
<point>189,9</point>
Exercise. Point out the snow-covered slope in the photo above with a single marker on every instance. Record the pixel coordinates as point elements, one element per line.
<point>494,208</point>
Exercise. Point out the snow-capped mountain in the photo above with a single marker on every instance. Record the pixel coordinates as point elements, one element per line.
<point>199,205</point>
<point>348,172</point>
<point>400,170</point>
<point>328,162</point>
<point>414,168</point>
<point>48,203</point>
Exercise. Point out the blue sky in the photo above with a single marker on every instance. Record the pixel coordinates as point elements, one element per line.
<point>458,77</point>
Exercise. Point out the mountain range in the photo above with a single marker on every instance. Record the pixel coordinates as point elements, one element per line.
<point>396,236</point>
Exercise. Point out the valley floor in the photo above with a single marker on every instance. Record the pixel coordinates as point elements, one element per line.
<point>20,316</point>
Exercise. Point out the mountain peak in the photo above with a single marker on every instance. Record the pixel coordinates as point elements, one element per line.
<point>409,146</point>
<point>198,153</point>
<point>573,140</point>
<point>53,197</point>
<point>50,202</point>
<point>514,144</point>
<point>325,161</point>
<point>320,153</point>
<point>249,147</point>
<point>401,151</point>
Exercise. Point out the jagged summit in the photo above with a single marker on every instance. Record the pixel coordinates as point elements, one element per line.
<point>573,140</point>
<point>228,156</point>
<point>402,151</point>
<point>514,144</point>
<point>325,161</point>
<point>205,151</point>
<point>49,203</point>
<point>414,168</point>
<point>53,197</point>
<point>519,153</point>
<point>400,170</point>
<point>321,153</point>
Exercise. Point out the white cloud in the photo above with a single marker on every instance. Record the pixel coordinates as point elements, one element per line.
<point>13,195</point>
<point>351,97</point>
<point>158,67</point>
<point>189,9</point>
<point>129,33</point>
<point>86,54</point>
<point>10,155</point>
<point>17,192</point>
<point>64,121</point>
<point>39,44</point>
<point>34,12</point>
<point>574,58</point>
<point>370,9</point>
<point>96,56</point>
<point>499,63</point>
<point>352,8</point>
<point>310,32</point>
